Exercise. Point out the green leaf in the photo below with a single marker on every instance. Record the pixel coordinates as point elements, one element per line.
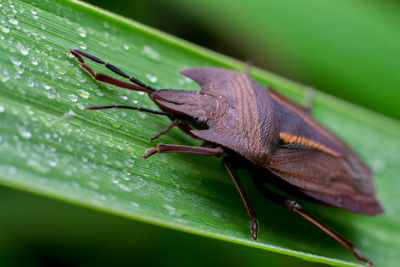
<point>51,145</point>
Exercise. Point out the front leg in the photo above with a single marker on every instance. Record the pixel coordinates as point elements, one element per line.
<point>167,148</point>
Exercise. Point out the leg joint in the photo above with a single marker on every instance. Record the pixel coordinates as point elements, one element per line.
<point>293,205</point>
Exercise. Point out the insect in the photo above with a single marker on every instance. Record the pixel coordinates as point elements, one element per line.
<point>252,125</point>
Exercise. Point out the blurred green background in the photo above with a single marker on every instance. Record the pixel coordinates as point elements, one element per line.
<point>347,48</point>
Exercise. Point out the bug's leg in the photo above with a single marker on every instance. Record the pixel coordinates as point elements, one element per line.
<point>166,129</point>
<point>252,214</point>
<point>175,122</point>
<point>130,107</point>
<point>137,84</point>
<point>166,148</point>
<point>294,206</point>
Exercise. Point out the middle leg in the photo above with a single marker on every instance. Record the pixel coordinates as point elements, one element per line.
<point>239,186</point>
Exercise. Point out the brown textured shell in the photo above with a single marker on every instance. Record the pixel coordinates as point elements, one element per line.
<point>250,119</point>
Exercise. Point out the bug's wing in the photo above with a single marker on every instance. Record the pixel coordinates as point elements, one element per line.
<point>342,182</point>
<point>211,78</point>
<point>319,163</point>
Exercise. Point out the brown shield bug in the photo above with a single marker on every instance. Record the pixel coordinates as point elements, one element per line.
<point>255,126</point>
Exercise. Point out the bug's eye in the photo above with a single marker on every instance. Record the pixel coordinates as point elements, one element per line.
<point>202,120</point>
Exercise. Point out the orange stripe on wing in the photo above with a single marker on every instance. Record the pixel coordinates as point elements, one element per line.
<point>300,140</point>
<point>300,111</point>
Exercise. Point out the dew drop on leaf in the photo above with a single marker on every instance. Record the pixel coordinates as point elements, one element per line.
<point>82,32</point>
<point>136,205</point>
<point>69,114</point>
<point>13,21</point>
<point>23,50</point>
<point>5,29</point>
<point>34,61</point>
<point>93,185</point>
<point>149,52</point>
<point>171,210</point>
<point>24,133</point>
<point>73,98</point>
<point>37,166</point>
<point>84,94</point>
<point>152,78</point>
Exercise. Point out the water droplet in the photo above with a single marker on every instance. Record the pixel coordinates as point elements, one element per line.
<point>121,186</point>
<point>171,210</point>
<point>49,95</point>
<point>82,45</point>
<point>73,98</point>
<point>15,61</point>
<point>13,21</point>
<point>216,213</point>
<point>94,185</point>
<point>123,97</point>
<point>60,70</point>
<point>136,205</point>
<point>82,32</point>
<point>69,114</point>
<point>46,86</point>
<point>23,50</point>
<point>150,53</point>
<point>5,29</point>
<point>52,163</point>
<point>37,166</point>
<point>31,83</point>
<point>99,92</point>
<point>17,65</point>
<point>124,187</point>
<point>102,44</point>
<point>24,133</point>
<point>84,94</point>
<point>378,165</point>
<point>2,109</point>
<point>34,62</point>
<point>152,78</point>
<point>187,80</point>
<point>126,47</point>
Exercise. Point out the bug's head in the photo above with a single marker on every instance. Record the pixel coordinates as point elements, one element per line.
<point>191,105</point>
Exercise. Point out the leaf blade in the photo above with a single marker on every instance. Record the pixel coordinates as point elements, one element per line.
<point>50,145</point>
